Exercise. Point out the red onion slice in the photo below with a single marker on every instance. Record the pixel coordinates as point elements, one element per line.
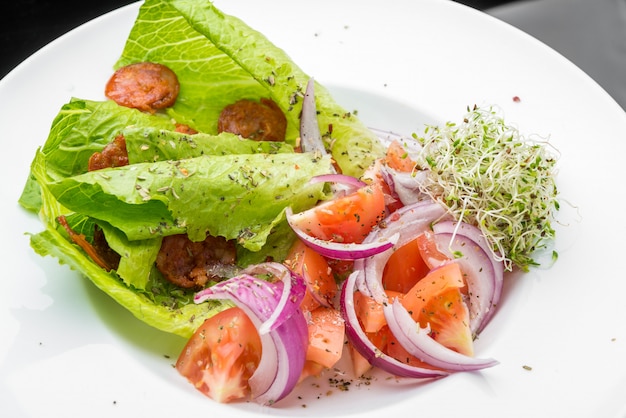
<point>417,341</point>
<point>338,250</point>
<point>366,348</point>
<point>405,186</point>
<point>485,285</point>
<point>284,309</point>
<point>283,346</point>
<point>407,222</point>
<point>341,184</point>
<point>344,179</point>
<point>310,136</point>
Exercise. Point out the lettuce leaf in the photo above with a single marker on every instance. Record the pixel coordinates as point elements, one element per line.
<point>219,59</point>
<point>148,144</point>
<point>234,196</point>
<point>83,127</point>
<point>159,313</point>
<point>207,183</point>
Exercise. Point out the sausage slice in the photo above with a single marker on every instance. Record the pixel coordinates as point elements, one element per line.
<point>261,121</point>
<point>146,86</point>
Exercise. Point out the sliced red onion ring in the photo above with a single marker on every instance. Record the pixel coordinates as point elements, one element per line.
<point>405,186</point>
<point>339,178</point>
<point>284,345</point>
<point>407,222</point>
<point>366,348</point>
<point>284,309</point>
<point>387,137</point>
<point>417,341</point>
<point>484,281</point>
<point>478,273</point>
<point>342,184</point>
<point>310,136</point>
<point>338,250</point>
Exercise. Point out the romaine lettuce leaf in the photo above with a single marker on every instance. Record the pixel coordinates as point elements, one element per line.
<point>174,318</point>
<point>219,59</point>
<point>176,183</point>
<point>137,257</point>
<point>83,127</point>
<point>234,196</point>
<point>209,79</point>
<point>148,144</point>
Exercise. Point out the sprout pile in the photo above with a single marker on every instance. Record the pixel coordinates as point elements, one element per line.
<point>489,175</point>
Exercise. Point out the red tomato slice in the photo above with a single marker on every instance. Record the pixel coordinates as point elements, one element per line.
<point>398,159</point>
<point>395,350</point>
<point>347,219</point>
<point>404,268</point>
<point>380,338</point>
<point>373,175</point>
<point>437,300</point>
<point>320,282</point>
<point>370,312</point>
<point>326,336</point>
<point>222,355</point>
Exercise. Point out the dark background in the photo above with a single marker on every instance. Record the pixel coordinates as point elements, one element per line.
<point>28,25</point>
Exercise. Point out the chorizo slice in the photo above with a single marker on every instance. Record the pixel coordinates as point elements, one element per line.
<point>146,86</point>
<point>190,264</point>
<point>185,129</point>
<point>114,154</point>
<point>261,121</point>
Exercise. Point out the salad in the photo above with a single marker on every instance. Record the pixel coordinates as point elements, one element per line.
<point>269,252</point>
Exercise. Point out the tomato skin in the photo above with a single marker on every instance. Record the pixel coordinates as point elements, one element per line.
<point>221,356</point>
<point>347,219</point>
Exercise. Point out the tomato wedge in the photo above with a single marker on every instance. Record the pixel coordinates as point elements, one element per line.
<point>347,219</point>
<point>370,312</point>
<point>397,158</point>
<point>221,356</point>
<point>326,336</point>
<point>404,268</point>
<point>317,274</point>
<point>326,340</point>
<point>437,300</point>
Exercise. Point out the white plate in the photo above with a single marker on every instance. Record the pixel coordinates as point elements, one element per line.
<point>67,350</point>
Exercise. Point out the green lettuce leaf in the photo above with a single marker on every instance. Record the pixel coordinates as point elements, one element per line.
<point>148,144</point>
<point>174,318</point>
<point>209,79</point>
<point>137,257</point>
<point>83,127</point>
<point>234,196</point>
<point>206,183</point>
<point>219,59</point>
